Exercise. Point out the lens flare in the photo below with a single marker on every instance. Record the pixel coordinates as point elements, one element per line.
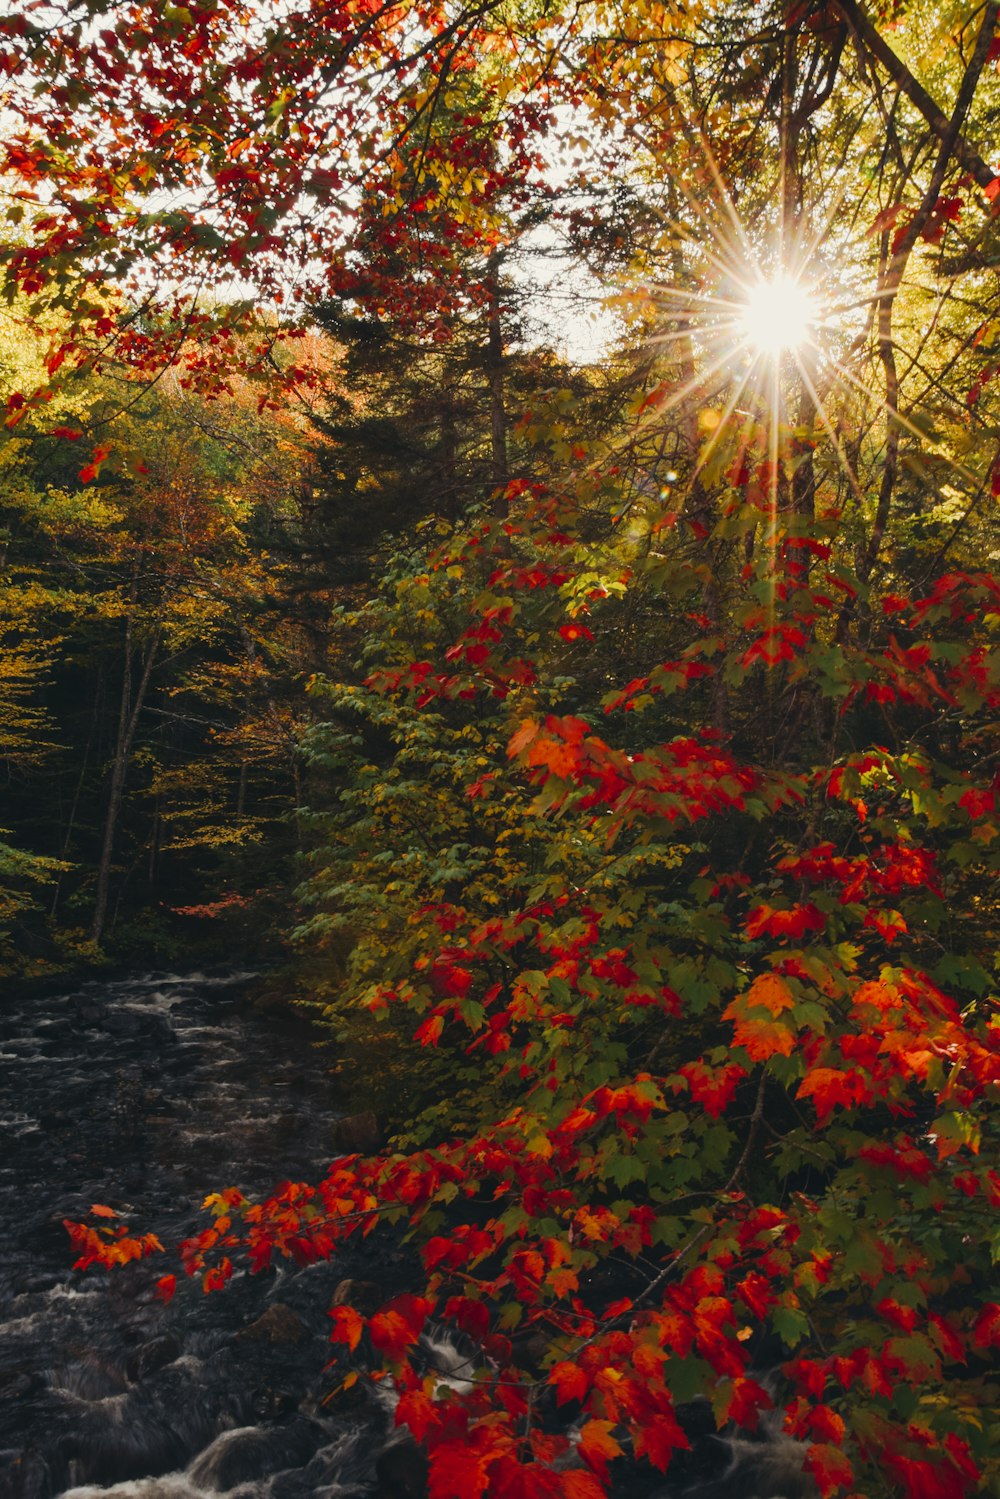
<point>778,316</point>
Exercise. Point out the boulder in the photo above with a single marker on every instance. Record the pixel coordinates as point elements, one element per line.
<point>279,1324</point>
<point>401,1471</point>
<point>23,1475</point>
<point>148,1357</point>
<point>250,1453</point>
<point>363,1295</point>
<point>357,1134</point>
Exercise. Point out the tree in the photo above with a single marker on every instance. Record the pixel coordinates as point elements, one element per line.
<point>149,725</point>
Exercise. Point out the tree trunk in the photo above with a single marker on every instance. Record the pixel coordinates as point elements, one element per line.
<point>128,718</point>
<point>499,473</point>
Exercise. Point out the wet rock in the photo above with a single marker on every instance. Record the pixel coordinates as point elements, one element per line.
<point>92,1013</point>
<point>401,1471</point>
<point>253,1452</point>
<point>359,1133</point>
<point>157,1353</point>
<point>363,1295</point>
<point>123,1023</point>
<point>23,1475</point>
<point>19,1384</point>
<point>162,1030</point>
<point>274,1405</point>
<point>270,1002</point>
<point>36,1283</point>
<point>279,1324</point>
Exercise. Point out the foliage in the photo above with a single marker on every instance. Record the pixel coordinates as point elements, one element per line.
<point>657,805</point>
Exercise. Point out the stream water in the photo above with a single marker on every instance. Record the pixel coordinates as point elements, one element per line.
<point>144,1095</point>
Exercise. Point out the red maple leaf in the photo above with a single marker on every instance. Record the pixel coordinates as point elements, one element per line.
<point>658,1438</point>
<point>570,1380</point>
<point>713,1087</point>
<point>829,1467</point>
<point>764,921</point>
<point>829,1087</point>
<point>347,1326</point>
<point>742,1401</point>
<point>756,1292</point>
<point>986,1328</point>
<point>398,1326</point>
<point>417,1411</point>
<point>456,1472</point>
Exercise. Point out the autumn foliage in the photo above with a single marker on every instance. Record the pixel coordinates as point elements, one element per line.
<point>655,799</point>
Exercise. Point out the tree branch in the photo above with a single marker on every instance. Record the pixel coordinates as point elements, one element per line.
<point>868,36</point>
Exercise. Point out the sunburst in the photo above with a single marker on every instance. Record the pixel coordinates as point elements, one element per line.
<point>779,315</point>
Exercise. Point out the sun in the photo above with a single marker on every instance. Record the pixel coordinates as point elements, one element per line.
<point>777,316</point>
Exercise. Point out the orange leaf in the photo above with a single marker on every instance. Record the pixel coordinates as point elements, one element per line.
<point>771,993</point>
<point>761,1039</point>
<point>428,1032</point>
<point>100,1211</point>
<point>579,1485</point>
<point>598,1446</point>
<point>165,1287</point>
<point>523,737</point>
<point>558,758</point>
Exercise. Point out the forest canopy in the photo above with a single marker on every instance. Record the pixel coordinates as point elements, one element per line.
<point>617,733</point>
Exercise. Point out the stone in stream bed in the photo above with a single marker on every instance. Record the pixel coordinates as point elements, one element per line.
<point>155,1354</point>
<point>357,1134</point>
<point>401,1470</point>
<point>23,1475</point>
<point>254,1452</point>
<point>279,1324</point>
<point>363,1295</point>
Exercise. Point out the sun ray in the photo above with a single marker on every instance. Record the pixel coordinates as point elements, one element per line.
<point>830,431</point>
<point>698,380</point>
<point>894,414</point>
<point>709,446</point>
